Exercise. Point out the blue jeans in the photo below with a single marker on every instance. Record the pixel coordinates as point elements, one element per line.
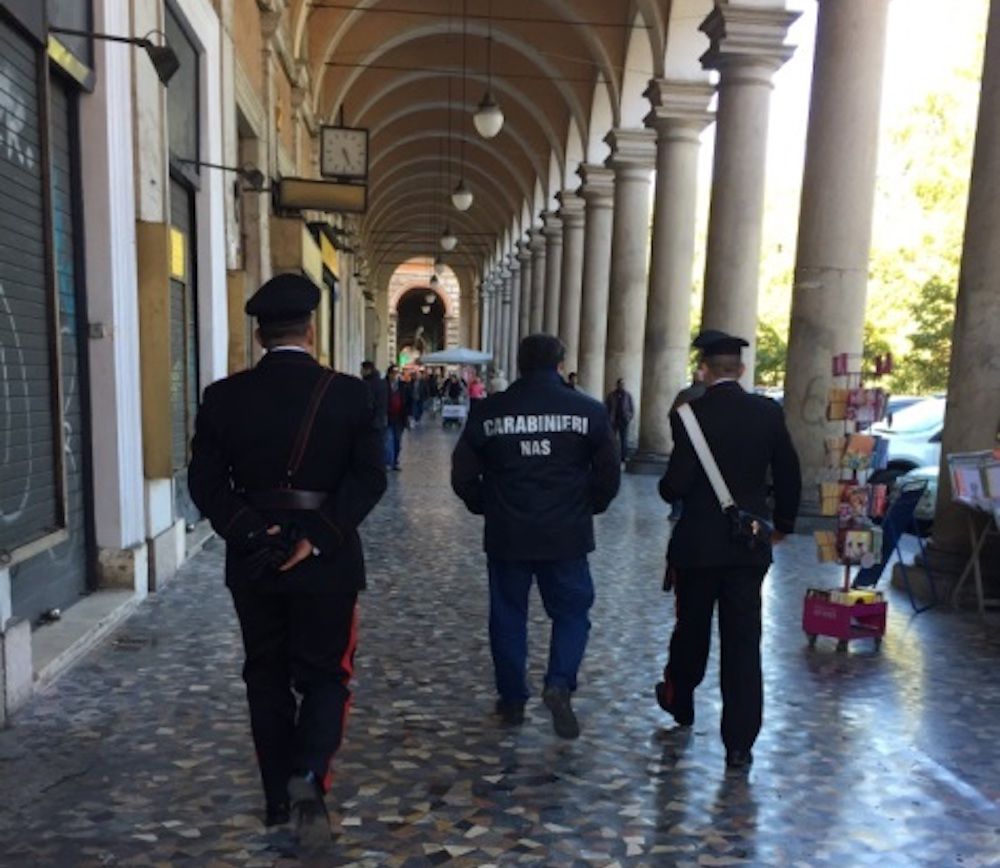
<point>567,592</point>
<point>393,444</point>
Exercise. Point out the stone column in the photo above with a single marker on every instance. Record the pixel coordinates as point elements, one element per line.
<point>484,321</point>
<point>503,332</point>
<point>973,410</point>
<point>515,315</point>
<point>835,221</point>
<point>680,113</point>
<point>538,272</point>
<point>633,154</point>
<point>553,232</point>
<point>524,314</point>
<point>571,287</point>
<point>747,48</point>
<point>597,191</point>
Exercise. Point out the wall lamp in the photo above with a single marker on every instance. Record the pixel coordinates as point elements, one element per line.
<point>249,173</point>
<point>162,57</point>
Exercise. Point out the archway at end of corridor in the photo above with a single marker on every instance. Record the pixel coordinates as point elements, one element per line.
<point>423,310</point>
<point>420,326</point>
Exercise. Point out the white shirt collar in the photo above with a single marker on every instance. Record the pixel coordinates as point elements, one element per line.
<point>289,347</point>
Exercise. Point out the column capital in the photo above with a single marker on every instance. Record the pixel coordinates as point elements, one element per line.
<point>524,251</point>
<point>680,108</point>
<point>536,241</point>
<point>598,187</point>
<point>632,150</point>
<point>553,227</point>
<point>571,207</point>
<point>748,41</point>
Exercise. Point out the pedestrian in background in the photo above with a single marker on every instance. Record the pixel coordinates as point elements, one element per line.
<point>621,412</point>
<point>399,402</point>
<point>380,395</point>
<point>538,461</point>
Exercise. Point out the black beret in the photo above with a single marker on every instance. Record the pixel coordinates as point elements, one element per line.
<point>284,298</point>
<point>712,342</point>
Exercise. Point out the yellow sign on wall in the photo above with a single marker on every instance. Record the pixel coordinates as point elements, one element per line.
<point>178,254</point>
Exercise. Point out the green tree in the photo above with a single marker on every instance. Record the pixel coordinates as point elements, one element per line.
<point>772,348</point>
<point>933,313</point>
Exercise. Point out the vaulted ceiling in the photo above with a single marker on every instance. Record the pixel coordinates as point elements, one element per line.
<point>563,71</point>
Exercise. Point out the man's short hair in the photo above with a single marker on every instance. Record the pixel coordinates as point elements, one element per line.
<point>540,352</point>
<point>274,334</point>
<point>723,366</point>
<point>367,366</point>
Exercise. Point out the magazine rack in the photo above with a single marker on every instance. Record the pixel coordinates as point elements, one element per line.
<point>846,494</point>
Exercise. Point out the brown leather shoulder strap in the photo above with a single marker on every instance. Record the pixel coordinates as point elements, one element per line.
<point>305,430</point>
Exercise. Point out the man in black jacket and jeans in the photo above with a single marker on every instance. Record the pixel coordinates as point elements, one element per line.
<point>538,461</point>
<point>747,436</point>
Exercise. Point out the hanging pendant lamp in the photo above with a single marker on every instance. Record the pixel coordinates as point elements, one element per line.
<point>439,264</point>
<point>461,196</point>
<point>448,239</point>
<point>488,118</point>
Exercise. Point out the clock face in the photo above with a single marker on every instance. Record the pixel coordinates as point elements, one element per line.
<point>344,152</point>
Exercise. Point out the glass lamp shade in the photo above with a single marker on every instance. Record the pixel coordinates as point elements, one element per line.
<point>448,240</point>
<point>434,282</point>
<point>439,264</point>
<point>431,297</point>
<point>425,308</point>
<point>461,196</point>
<point>488,119</point>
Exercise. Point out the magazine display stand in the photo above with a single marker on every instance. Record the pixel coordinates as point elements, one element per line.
<point>975,484</point>
<point>846,494</point>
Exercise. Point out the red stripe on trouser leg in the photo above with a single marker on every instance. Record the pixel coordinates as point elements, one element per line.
<point>347,665</point>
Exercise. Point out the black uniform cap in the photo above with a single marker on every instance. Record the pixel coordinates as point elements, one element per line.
<point>285,298</point>
<point>712,342</point>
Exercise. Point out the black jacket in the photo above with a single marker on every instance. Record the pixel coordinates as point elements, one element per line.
<point>747,436</point>
<point>538,461</point>
<point>244,434</point>
<point>379,389</point>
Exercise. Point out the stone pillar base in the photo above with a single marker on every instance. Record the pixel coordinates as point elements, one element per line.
<point>647,463</point>
<point>166,554</point>
<point>16,672</point>
<point>124,569</point>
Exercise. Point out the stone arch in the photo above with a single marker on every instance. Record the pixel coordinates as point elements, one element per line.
<point>639,69</point>
<point>574,156</point>
<point>685,43</point>
<point>602,121</point>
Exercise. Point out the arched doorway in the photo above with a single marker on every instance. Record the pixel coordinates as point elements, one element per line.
<point>420,324</point>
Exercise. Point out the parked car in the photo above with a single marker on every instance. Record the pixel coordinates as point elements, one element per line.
<point>914,435</point>
<point>924,514</point>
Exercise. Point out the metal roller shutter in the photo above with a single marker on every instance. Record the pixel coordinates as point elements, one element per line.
<point>29,507</point>
<point>59,576</point>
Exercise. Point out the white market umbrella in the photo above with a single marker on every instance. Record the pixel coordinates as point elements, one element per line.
<point>456,356</point>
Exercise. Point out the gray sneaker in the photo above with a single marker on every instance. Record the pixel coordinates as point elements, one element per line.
<point>308,810</point>
<point>564,721</point>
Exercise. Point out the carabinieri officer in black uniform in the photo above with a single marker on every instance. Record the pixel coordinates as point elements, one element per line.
<point>747,435</point>
<point>538,461</point>
<point>286,463</point>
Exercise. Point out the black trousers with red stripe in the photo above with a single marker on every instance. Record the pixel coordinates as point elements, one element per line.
<point>737,590</point>
<point>303,642</point>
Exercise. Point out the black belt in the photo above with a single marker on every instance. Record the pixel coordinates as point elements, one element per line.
<point>286,498</point>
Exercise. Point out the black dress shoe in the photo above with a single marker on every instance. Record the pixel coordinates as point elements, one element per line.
<point>308,810</point>
<point>277,815</point>
<point>511,713</point>
<point>738,759</point>
<point>683,713</point>
<point>563,718</point>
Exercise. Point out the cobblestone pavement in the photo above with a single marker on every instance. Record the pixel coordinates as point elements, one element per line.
<point>141,755</point>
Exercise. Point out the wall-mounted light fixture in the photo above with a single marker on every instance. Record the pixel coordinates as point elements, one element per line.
<point>162,57</point>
